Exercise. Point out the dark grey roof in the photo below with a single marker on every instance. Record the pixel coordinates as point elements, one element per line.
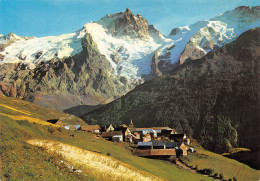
<point>53,121</point>
<point>144,144</point>
<point>177,144</point>
<point>158,143</point>
<point>170,145</point>
<point>177,136</point>
<point>166,131</point>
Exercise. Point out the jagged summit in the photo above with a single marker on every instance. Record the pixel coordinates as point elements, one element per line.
<point>125,24</point>
<point>10,37</point>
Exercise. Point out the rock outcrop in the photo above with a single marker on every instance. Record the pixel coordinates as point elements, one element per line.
<point>126,24</point>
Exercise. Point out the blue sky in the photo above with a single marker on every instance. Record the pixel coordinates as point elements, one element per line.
<point>53,17</point>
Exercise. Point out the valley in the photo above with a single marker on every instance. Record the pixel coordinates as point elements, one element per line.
<point>116,99</point>
<point>56,152</point>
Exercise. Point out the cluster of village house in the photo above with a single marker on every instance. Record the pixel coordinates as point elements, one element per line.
<point>154,141</point>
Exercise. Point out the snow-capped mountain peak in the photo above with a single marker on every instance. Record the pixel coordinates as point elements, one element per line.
<point>125,24</point>
<point>194,41</point>
<point>128,42</point>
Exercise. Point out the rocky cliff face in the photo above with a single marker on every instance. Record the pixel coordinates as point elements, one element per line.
<point>214,99</point>
<point>83,79</point>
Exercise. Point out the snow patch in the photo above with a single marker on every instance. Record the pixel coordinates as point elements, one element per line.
<point>49,47</point>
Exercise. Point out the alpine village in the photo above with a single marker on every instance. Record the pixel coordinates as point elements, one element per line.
<point>148,142</point>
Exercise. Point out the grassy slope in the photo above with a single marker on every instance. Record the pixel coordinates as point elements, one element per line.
<point>23,161</point>
<point>13,106</point>
<point>229,168</point>
<point>20,160</point>
<point>244,155</point>
<point>156,167</point>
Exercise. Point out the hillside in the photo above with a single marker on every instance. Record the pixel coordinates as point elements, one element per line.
<point>245,156</point>
<point>220,166</point>
<point>214,99</point>
<point>107,58</point>
<point>32,150</point>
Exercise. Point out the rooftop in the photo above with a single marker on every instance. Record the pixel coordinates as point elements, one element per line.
<point>111,134</point>
<point>90,127</point>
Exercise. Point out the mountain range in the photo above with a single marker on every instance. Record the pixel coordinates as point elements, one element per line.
<point>106,59</point>
<point>214,99</point>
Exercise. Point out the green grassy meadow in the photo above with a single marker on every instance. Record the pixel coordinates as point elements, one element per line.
<point>229,168</point>
<point>22,161</point>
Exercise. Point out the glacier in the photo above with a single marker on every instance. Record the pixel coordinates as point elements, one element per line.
<point>130,56</point>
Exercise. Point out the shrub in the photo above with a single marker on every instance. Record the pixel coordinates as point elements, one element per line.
<point>215,175</point>
<point>50,129</point>
<point>234,179</point>
<point>172,159</point>
<point>207,171</point>
<point>24,123</point>
<point>221,176</point>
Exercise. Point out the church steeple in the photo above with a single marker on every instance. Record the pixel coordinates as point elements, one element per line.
<point>131,125</point>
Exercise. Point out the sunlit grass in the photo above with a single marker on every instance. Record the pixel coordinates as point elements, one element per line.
<point>229,168</point>
<point>30,119</point>
<point>117,150</point>
<point>99,166</point>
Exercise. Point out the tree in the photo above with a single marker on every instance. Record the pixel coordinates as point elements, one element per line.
<point>225,135</point>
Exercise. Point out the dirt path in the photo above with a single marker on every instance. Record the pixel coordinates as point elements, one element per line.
<point>182,165</point>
